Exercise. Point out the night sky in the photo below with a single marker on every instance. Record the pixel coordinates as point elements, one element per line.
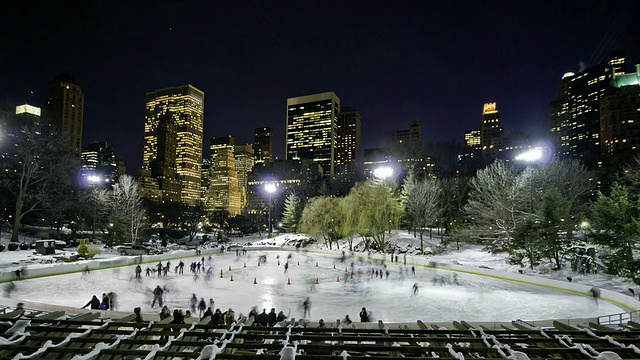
<point>396,62</point>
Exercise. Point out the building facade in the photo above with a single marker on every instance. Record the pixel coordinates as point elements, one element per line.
<point>413,134</point>
<point>620,118</point>
<point>348,142</point>
<point>575,126</point>
<point>491,133</point>
<point>64,109</point>
<point>311,129</point>
<point>245,161</point>
<point>173,142</point>
<point>263,145</point>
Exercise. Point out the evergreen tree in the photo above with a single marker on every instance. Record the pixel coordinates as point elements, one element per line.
<point>616,224</point>
<point>293,208</point>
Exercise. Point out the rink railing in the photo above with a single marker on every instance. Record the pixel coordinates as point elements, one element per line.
<point>619,319</point>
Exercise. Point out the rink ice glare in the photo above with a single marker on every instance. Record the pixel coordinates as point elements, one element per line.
<point>474,298</point>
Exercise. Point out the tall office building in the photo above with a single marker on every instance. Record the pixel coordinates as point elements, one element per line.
<point>99,164</point>
<point>575,126</point>
<point>27,115</point>
<point>245,161</point>
<point>348,143</point>
<point>223,192</point>
<point>64,108</point>
<point>173,141</point>
<point>620,118</point>
<point>262,145</point>
<point>311,129</point>
<point>491,133</point>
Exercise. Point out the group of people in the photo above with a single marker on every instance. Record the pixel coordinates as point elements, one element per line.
<point>264,319</point>
<point>108,302</point>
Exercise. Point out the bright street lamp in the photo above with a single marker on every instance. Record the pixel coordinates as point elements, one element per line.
<point>270,188</point>
<point>531,155</point>
<point>383,172</point>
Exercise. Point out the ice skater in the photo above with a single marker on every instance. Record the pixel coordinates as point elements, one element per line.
<point>595,292</point>
<point>415,288</point>
<point>157,296</point>
<point>306,305</point>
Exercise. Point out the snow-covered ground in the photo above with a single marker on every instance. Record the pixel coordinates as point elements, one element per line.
<point>470,298</point>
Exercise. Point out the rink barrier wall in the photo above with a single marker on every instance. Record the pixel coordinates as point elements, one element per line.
<point>622,300</point>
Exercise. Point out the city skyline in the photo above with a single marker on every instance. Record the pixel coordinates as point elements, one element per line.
<point>412,62</point>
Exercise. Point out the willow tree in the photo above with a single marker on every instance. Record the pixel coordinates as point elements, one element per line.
<point>380,211</point>
<point>321,217</point>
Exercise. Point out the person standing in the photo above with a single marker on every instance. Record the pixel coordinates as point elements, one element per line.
<point>306,306</point>
<point>364,316</point>
<point>94,303</point>
<point>202,306</point>
<point>157,296</point>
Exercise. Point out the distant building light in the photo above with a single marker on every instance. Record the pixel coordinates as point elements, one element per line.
<point>29,109</point>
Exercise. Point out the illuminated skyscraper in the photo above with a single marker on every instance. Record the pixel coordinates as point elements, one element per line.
<point>491,133</point>
<point>311,129</point>
<point>348,145</point>
<point>575,115</point>
<point>173,141</point>
<point>245,161</point>
<point>64,107</point>
<point>223,192</point>
<point>620,118</point>
<point>262,145</point>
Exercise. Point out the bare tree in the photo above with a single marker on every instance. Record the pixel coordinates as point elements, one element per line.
<point>39,162</point>
<point>421,204</point>
<point>497,199</point>
<point>127,206</point>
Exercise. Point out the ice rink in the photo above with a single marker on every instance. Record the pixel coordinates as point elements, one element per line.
<point>462,297</point>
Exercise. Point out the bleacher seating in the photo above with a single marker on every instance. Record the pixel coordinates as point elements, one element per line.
<point>58,336</point>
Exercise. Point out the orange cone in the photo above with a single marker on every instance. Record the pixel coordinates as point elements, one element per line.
<point>317,281</point>
<point>288,281</point>
<point>231,279</point>
<point>255,280</point>
<point>229,267</point>
<point>338,279</point>
<point>221,273</point>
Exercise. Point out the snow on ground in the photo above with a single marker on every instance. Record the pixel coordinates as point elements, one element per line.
<point>472,298</point>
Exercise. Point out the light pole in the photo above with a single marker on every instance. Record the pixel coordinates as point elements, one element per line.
<point>270,188</point>
<point>94,180</point>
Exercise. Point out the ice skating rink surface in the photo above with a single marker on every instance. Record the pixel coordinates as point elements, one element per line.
<point>450,297</point>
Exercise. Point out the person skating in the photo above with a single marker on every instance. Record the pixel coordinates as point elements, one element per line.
<point>94,303</point>
<point>347,321</point>
<point>414,288</point>
<point>193,302</point>
<point>157,296</point>
<point>138,271</point>
<point>202,306</point>
<point>306,306</point>
<point>364,316</point>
